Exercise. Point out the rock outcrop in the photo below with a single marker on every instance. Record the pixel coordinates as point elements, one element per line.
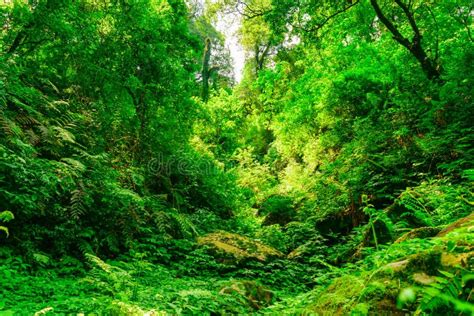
<point>234,248</point>
<point>421,232</point>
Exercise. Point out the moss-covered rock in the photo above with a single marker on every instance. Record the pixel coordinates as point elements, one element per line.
<point>340,297</point>
<point>456,260</point>
<point>233,248</point>
<point>120,308</point>
<point>461,223</point>
<point>427,261</point>
<point>424,268</point>
<point>255,294</point>
<point>421,232</point>
<point>299,252</point>
<point>423,278</point>
<point>397,266</point>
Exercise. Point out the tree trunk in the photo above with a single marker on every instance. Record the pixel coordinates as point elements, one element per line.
<point>206,71</point>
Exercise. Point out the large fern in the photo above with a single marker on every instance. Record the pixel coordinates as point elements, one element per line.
<point>411,202</point>
<point>77,207</point>
<point>449,291</point>
<point>174,224</point>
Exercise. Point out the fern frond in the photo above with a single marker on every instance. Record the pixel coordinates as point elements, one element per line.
<point>98,263</point>
<point>8,127</point>
<point>3,228</point>
<point>75,164</point>
<point>64,135</point>
<point>44,311</point>
<point>186,227</point>
<point>6,216</point>
<point>77,206</point>
<point>446,291</point>
<point>162,222</point>
<point>174,224</point>
<point>85,247</point>
<point>413,204</point>
<point>45,133</point>
<point>33,138</point>
<point>26,120</point>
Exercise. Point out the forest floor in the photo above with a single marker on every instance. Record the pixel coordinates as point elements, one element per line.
<point>393,279</point>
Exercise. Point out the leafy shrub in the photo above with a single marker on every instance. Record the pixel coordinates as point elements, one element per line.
<point>272,235</point>
<point>6,216</point>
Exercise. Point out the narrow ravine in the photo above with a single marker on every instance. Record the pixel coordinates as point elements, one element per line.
<point>251,157</point>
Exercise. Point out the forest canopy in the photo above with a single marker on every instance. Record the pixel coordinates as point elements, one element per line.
<point>139,175</point>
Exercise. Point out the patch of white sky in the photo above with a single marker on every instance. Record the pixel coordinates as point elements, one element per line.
<point>228,24</point>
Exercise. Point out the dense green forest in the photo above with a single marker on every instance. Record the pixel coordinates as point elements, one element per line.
<point>139,177</point>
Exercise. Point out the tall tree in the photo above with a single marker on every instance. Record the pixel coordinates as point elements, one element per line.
<point>406,21</point>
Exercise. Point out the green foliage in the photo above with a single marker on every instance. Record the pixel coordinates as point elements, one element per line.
<point>448,291</point>
<point>376,217</point>
<point>84,150</point>
<point>6,216</point>
<point>273,236</point>
<point>348,138</point>
<point>435,202</point>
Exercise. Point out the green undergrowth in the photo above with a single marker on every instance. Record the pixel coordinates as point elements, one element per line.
<point>421,276</point>
<point>131,284</point>
<point>415,256</point>
<point>137,177</point>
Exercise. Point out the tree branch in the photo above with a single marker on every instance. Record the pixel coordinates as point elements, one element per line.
<point>430,67</point>
<point>247,11</point>
<point>390,26</point>
<point>437,34</point>
<point>19,38</point>
<point>411,20</point>
<point>332,16</point>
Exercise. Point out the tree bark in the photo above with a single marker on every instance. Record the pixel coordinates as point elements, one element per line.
<point>206,71</point>
<point>429,66</point>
